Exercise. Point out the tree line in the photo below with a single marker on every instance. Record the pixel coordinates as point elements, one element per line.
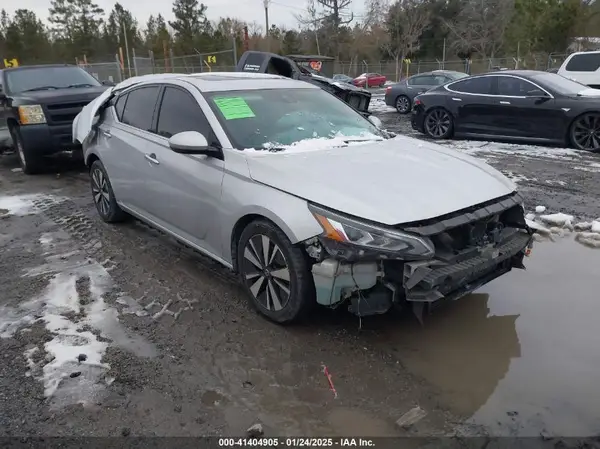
<point>418,29</point>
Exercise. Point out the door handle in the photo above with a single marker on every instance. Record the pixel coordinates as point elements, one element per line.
<point>505,102</point>
<point>107,134</point>
<point>457,99</point>
<point>151,157</point>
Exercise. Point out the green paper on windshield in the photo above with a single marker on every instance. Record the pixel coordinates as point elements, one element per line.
<point>234,107</point>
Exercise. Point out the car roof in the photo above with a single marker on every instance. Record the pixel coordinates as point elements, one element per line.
<point>224,81</point>
<point>523,73</point>
<point>39,66</point>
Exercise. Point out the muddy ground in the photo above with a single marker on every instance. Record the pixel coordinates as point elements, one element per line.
<point>118,331</point>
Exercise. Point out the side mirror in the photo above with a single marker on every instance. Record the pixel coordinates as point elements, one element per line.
<point>375,121</point>
<point>191,142</point>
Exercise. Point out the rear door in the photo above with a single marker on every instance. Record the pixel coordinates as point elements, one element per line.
<point>184,191</point>
<point>470,100</point>
<point>125,141</point>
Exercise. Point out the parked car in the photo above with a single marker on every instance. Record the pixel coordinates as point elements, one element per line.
<point>370,80</point>
<point>38,104</point>
<point>583,67</point>
<point>264,62</point>
<point>184,154</point>
<point>402,94</point>
<point>518,105</point>
<point>342,78</point>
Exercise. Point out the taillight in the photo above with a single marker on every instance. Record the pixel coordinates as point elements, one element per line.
<point>387,89</point>
<point>417,102</point>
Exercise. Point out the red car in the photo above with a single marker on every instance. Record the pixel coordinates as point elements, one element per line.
<point>369,80</point>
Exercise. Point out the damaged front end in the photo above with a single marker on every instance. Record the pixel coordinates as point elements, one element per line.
<point>419,264</point>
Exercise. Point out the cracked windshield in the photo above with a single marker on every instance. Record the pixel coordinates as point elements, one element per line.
<point>300,223</point>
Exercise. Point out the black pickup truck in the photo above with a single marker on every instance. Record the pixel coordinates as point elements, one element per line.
<point>38,104</point>
<point>263,62</point>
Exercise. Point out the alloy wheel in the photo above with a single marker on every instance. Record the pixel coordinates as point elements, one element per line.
<point>266,272</point>
<point>586,132</point>
<point>100,192</point>
<point>402,104</point>
<point>437,123</point>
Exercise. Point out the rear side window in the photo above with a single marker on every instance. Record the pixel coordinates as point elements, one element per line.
<point>180,112</point>
<point>139,109</point>
<point>481,85</point>
<point>517,87</point>
<point>120,106</point>
<point>419,80</point>
<point>589,62</point>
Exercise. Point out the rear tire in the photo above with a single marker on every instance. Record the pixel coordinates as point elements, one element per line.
<point>31,162</point>
<point>103,195</point>
<point>438,124</point>
<point>584,133</point>
<point>403,104</point>
<point>275,274</point>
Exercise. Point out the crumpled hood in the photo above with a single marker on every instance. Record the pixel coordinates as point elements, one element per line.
<point>395,181</point>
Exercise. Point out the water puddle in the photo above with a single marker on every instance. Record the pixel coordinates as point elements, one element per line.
<point>521,355</point>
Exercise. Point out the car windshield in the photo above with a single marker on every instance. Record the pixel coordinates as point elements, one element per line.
<point>273,119</point>
<point>47,78</point>
<point>560,84</point>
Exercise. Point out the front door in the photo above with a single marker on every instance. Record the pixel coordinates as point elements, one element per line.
<point>183,191</point>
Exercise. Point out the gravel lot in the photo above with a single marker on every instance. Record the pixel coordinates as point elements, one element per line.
<point>118,330</point>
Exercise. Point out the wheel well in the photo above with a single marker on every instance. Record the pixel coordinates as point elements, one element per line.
<point>12,123</point>
<point>91,159</point>
<point>239,227</point>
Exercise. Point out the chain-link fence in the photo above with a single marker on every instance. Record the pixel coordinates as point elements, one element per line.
<point>226,60</point>
<point>105,71</point>
<point>394,70</point>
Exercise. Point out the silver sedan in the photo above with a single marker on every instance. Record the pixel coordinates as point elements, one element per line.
<point>308,201</point>
<point>402,94</point>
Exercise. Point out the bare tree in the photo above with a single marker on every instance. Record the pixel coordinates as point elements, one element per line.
<point>406,22</point>
<point>480,27</point>
<point>331,14</point>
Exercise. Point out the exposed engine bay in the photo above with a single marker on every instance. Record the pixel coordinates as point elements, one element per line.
<point>472,247</point>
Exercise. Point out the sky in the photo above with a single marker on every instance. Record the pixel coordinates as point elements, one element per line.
<point>281,12</point>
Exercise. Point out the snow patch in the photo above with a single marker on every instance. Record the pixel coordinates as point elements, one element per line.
<point>516,178</point>
<point>82,325</point>
<point>474,147</point>
<point>540,209</point>
<point>559,219</point>
<point>22,205</point>
<point>314,144</point>
<point>377,104</point>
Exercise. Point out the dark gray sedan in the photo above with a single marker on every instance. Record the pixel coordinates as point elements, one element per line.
<point>401,95</point>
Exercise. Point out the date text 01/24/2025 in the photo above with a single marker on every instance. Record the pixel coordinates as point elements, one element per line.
<point>296,442</point>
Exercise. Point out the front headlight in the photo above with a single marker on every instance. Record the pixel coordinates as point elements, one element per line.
<point>31,114</point>
<point>388,243</point>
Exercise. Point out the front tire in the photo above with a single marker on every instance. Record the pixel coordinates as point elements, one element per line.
<point>103,195</point>
<point>275,274</point>
<point>31,162</point>
<point>439,124</point>
<point>403,104</point>
<point>585,132</point>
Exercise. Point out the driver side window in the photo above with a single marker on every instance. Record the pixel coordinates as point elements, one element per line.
<point>179,111</point>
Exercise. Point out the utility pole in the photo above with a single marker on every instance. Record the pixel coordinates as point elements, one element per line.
<point>444,55</point>
<point>126,48</point>
<point>266,3</point>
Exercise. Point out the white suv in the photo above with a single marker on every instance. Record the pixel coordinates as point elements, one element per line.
<point>583,67</point>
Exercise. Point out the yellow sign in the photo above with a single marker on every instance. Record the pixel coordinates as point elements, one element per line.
<point>407,61</point>
<point>8,63</point>
<point>211,59</point>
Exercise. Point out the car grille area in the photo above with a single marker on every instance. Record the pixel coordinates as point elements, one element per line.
<point>63,113</point>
